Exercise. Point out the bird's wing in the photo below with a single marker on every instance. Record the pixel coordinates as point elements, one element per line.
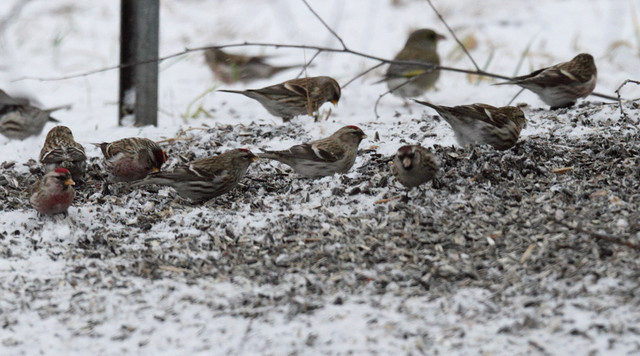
<point>311,152</point>
<point>62,154</point>
<point>550,76</point>
<point>482,112</point>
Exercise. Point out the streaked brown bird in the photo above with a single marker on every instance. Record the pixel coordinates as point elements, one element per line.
<point>132,158</point>
<point>61,150</point>
<point>561,85</point>
<point>414,165</point>
<point>295,97</point>
<point>205,178</point>
<point>334,154</point>
<point>483,124</point>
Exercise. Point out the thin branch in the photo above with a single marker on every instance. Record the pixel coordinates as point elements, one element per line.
<point>515,96</point>
<point>308,63</point>
<point>362,74</point>
<point>523,55</point>
<point>454,36</point>
<point>274,45</point>
<point>344,46</point>
<point>375,107</point>
<point>605,237</point>
<point>604,96</point>
<point>619,98</point>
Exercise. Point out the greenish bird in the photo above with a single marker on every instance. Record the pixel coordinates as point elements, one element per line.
<point>407,80</point>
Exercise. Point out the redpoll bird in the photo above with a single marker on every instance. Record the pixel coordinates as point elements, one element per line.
<point>414,165</point>
<point>132,158</point>
<point>562,84</point>
<point>483,124</point>
<point>295,97</point>
<point>54,193</point>
<point>61,150</point>
<point>231,68</point>
<point>324,157</point>
<point>205,178</point>
<point>19,120</point>
<point>407,80</point>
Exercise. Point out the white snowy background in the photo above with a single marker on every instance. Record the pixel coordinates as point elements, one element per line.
<point>55,38</point>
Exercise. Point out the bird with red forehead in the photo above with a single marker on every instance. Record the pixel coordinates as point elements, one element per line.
<point>54,193</point>
<point>324,157</point>
<point>132,158</point>
<point>414,165</point>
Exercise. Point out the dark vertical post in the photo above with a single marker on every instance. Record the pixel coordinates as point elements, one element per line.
<point>139,25</point>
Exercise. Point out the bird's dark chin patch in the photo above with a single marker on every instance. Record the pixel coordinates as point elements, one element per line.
<point>407,161</point>
<point>160,157</point>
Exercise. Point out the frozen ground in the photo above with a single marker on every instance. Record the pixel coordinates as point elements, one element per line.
<point>475,264</point>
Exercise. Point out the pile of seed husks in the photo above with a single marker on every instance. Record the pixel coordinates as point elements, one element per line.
<point>551,209</point>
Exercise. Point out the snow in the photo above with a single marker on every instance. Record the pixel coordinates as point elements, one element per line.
<point>57,38</point>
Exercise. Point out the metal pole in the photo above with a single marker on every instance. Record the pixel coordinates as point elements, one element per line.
<point>139,27</point>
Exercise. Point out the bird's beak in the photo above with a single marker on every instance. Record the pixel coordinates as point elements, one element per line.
<point>406,162</point>
<point>440,37</point>
<point>69,182</point>
<point>155,169</point>
<point>334,102</point>
<point>254,158</point>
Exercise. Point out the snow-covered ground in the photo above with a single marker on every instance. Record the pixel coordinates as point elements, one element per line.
<point>124,276</point>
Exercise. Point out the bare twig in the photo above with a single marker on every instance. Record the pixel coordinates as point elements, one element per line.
<point>604,96</point>
<point>307,64</point>
<point>619,98</point>
<point>515,96</point>
<point>362,74</point>
<point>344,46</point>
<point>454,36</point>
<point>601,236</point>
<point>375,107</point>
<point>425,65</point>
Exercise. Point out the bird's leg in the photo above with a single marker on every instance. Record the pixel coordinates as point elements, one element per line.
<point>105,188</point>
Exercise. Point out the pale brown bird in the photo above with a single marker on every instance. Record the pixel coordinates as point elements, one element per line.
<point>295,97</point>
<point>132,158</point>
<point>562,84</point>
<point>19,119</point>
<point>414,165</point>
<point>61,150</point>
<point>483,124</point>
<point>324,157</point>
<point>205,178</point>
